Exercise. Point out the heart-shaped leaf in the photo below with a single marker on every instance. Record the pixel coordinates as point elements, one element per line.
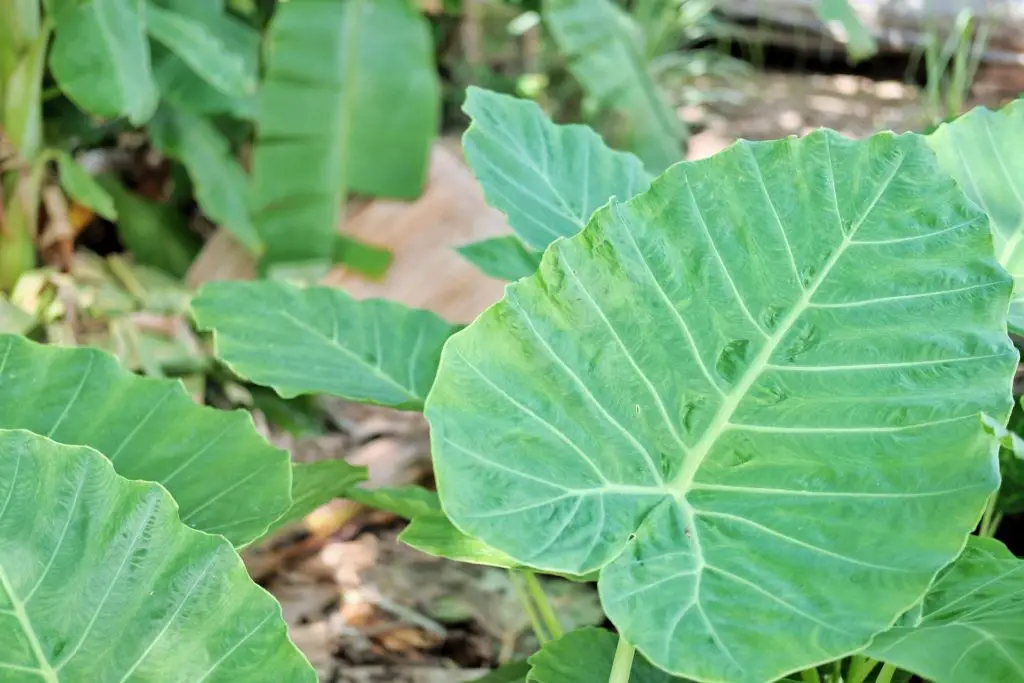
<point>224,476</point>
<point>321,340</point>
<point>974,150</point>
<point>101,581</point>
<point>769,367</point>
<point>970,627</point>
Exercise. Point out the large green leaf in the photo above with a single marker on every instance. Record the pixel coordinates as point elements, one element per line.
<point>100,581</point>
<point>100,57</point>
<point>586,656</point>
<point>547,179</point>
<point>201,49</point>
<point>770,366</point>
<point>606,55</point>
<point>350,102</point>
<point>970,627</point>
<point>221,184</point>
<point>225,478</point>
<point>975,150</point>
<point>321,340</point>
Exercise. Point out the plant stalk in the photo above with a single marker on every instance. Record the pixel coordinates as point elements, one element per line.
<point>528,607</point>
<point>860,668</point>
<point>885,675</point>
<point>990,519</point>
<point>544,607</point>
<point>623,663</point>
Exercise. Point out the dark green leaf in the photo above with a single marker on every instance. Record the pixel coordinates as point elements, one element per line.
<point>100,581</point>
<point>81,187</point>
<point>201,49</point>
<point>100,57</point>
<point>321,340</point>
<point>547,179</point>
<point>971,625</point>
<point>606,55</point>
<point>686,383</point>
<point>225,478</point>
<point>504,258</point>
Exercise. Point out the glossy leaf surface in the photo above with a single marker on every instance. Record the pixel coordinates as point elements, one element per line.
<point>713,392</point>
<point>225,478</point>
<point>322,341</point>
<point>101,581</point>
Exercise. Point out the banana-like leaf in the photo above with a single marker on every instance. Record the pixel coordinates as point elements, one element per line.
<point>586,656</point>
<point>770,366</point>
<point>221,184</point>
<point>81,187</point>
<point>100,57</point>
<point>504,258</point>
<point>970,626</point>
<point>101,581</point>
<point>548,179</point>
<point>201,49</point>
<point>322,341</point>
<point>976,150</point>
<point>860,44</point>
<point>606,55</point>
<point>350,102</point>
<point>225,478</point>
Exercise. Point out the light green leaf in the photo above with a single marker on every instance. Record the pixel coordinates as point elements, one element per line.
<point>547,179</point>
<point>100,58</point>
<point>100,581</point>
<point>434,534</point>
<point>320,340</point>
<point>606,55</point>
<point>974,149</point>
<point>505,258</point>
<point>405,501</point>
<point>971,625</point>
<point>225,478</point>
<point>221,185</point>
<point>367,259</point>
<point>769,366</point>
<point>81,187</point>
<point>350,102</point>
<point>586,656</point>
<point>859,42</point>
<point>317,483</point>
<point>201,49</point>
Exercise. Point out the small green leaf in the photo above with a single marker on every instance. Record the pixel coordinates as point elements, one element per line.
<point>201,50</point>
<point>320,340</point>
<point>686,382</point>
<point>407,502</point>
<point>586,656</point>
<point>974,149</point>
<point>100,581</point>
<point>81,187</point>
<point>156,234</point>
<point>505,258</point>
<point>971,624</point>
<point>604,50</point>
<point>225,478</point>
<point>547,179</point>
<point>317,483</point>
<point>859,42</point>
<point>100,58</point>
<point>434,534</point>
<point>360,257</point>
<point>221,185</point>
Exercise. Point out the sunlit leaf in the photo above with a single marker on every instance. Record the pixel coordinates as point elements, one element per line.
<point>101,581</point>
<point>225,478</point>
<point>787,331</point>
<point>971,623</point>
<point>547,179</point>
<point>322,341</point>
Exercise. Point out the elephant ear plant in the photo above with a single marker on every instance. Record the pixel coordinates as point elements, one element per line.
<point>758,399</point>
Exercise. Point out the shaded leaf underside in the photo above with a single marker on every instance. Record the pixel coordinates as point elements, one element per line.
<point>704,391</point>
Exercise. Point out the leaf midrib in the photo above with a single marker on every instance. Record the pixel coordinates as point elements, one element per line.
<point>683,480</point>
